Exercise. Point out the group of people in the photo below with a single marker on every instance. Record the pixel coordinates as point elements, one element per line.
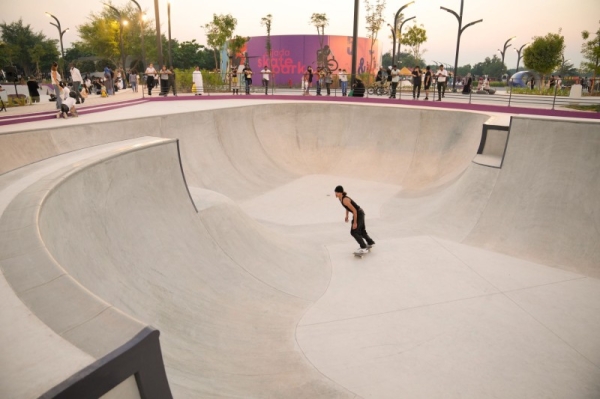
<point>420,79</point>
<point>323,78</point>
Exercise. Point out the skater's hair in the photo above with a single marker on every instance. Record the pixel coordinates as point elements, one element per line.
<point>340,189</point>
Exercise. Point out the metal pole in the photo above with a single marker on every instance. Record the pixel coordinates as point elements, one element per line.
<point>169,23</point>
<point>142,33</point>
<point>554,100</point>
<point>158,36</point>
<point>400,30</point>
<point>121,44</point>
<point>510,86</point>
<point>354,42</point>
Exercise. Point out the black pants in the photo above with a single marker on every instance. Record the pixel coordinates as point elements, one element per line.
<point>360,233</point>
<point>417,89</point>
<point>441,89</point>
<point>394,86</point>
<point>150,84</point>
<point>265,83</point>
<point>164,86</point>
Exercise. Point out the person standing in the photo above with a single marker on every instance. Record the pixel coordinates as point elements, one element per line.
<point>310,79</point>
<point>442,76</point>
<point>133,80</point>
<point>150,78</point>
<point>164,81</point>
<point>328,81</point>
<point>55,76</point>
<point>248,78</point>
<point>395,73</point>
<point>319,80</point>
<point>343,75</point>
<point>172,83</point>
<point>235,82</point>
<point>416,72</point>
<point>197,79</point>
<point>532,83</point>
<point>33,87</point>
<point>468,84</point>
<point>358,229</point>
<point>77,79</point>
<point>427,82</point>
<point>266,73</point>
<point>108,81</point>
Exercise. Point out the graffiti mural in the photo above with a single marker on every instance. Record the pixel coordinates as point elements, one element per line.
<point>292,54</point>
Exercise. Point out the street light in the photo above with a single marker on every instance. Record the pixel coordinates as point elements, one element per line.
<point>60,32</point>
<point>395,25</point>
<point>142,33</point>
<point>461,29</point>
<point>503,51</point>
<point>169,23</point>
<point>400,30</point>
<point>354,42</point>
<point>121,23</point>
<point>519,55</point>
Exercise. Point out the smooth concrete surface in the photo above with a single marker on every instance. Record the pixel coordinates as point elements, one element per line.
<point>483,281</point>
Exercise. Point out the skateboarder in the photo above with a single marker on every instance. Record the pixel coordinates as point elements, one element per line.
<point>358,229</point>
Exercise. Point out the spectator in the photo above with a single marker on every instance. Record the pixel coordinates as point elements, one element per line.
<point>56,79</point>
<point>248,77</point>
<point>108,81</point>
<point>328,81</point>
<point>427,83</point>
<point>76,78</point>
<point>150,78</point>
<point>310,79</point>
<point>343,75</point>
<point>172,84</point>
<point>395,74</point>
<point>265,79</point>
<point>164,81</point>
<point>358,88</point>
<point>468,84</point>
<point>33,87</point>
<point>442,76</point>
<point>133,80</point>
<point>416,73</point>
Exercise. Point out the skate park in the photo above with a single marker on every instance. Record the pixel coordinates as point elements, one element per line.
<point>214,224</point>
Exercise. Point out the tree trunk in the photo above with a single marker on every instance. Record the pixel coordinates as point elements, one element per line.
<point>215,55</point>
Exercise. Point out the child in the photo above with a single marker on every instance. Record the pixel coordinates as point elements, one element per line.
<point>68,105</point>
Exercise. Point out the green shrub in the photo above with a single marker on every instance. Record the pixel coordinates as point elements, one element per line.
<point>184,81</point>
<point>497,84</point>
<point>543,92</point>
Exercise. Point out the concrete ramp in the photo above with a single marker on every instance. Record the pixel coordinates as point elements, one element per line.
<point>483,281</point>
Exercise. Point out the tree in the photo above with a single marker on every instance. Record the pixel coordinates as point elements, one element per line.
<point>19,40</point>
<point>236,45</point>
<point>266,22</point>
<point>219,31</point>
<point>464,70</point>
<point>414,37</point>
<point>403,59</point>
<point>490,66</point>
<point>374,19</point>
<point>320,21</point>
<point>591,52</point>
<point>544,54</point>
<point>36,53</point>
<point>187,54</point>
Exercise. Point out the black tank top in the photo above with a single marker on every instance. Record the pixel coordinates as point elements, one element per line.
<point>354,204</point>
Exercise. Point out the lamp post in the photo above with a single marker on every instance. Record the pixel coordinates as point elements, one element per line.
<point>503,51</point>
<point>142,33</point>
<point>395,25</point>
<point>354,41</point>
<point>400,30</point>
<point>121,22</point>
<point>60,32</point>
<point>169,23</point>
<point>394,38</point>
<point>461,29</point>
<point>519,55</point>
<point>158,37</point>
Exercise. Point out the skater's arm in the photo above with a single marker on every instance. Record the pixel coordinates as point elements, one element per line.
<point>353,210</point>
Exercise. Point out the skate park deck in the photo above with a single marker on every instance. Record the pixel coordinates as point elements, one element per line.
<point>483,281</point>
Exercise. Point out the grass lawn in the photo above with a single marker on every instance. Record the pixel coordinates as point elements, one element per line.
<point>594,108</point>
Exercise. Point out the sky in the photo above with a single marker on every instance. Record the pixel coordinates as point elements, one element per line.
<point>502,19</point>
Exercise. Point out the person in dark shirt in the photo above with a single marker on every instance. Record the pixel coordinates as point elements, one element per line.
<point>33,87</point>
<point>416,72</point>
<point>358,89</point>
<point>358,229</point>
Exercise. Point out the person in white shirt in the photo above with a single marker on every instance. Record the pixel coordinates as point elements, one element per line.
<point>343,76</point>
<point>150,75</point>
<point>198,81</point>
<point>68,105</point>
<point>395,80</point>
<point>77,79</point>
<point>265,78</point>
<point>442,76</point>
<point>56,79</point>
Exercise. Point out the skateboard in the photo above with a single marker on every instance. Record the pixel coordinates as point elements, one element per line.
<point>361,255</point>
